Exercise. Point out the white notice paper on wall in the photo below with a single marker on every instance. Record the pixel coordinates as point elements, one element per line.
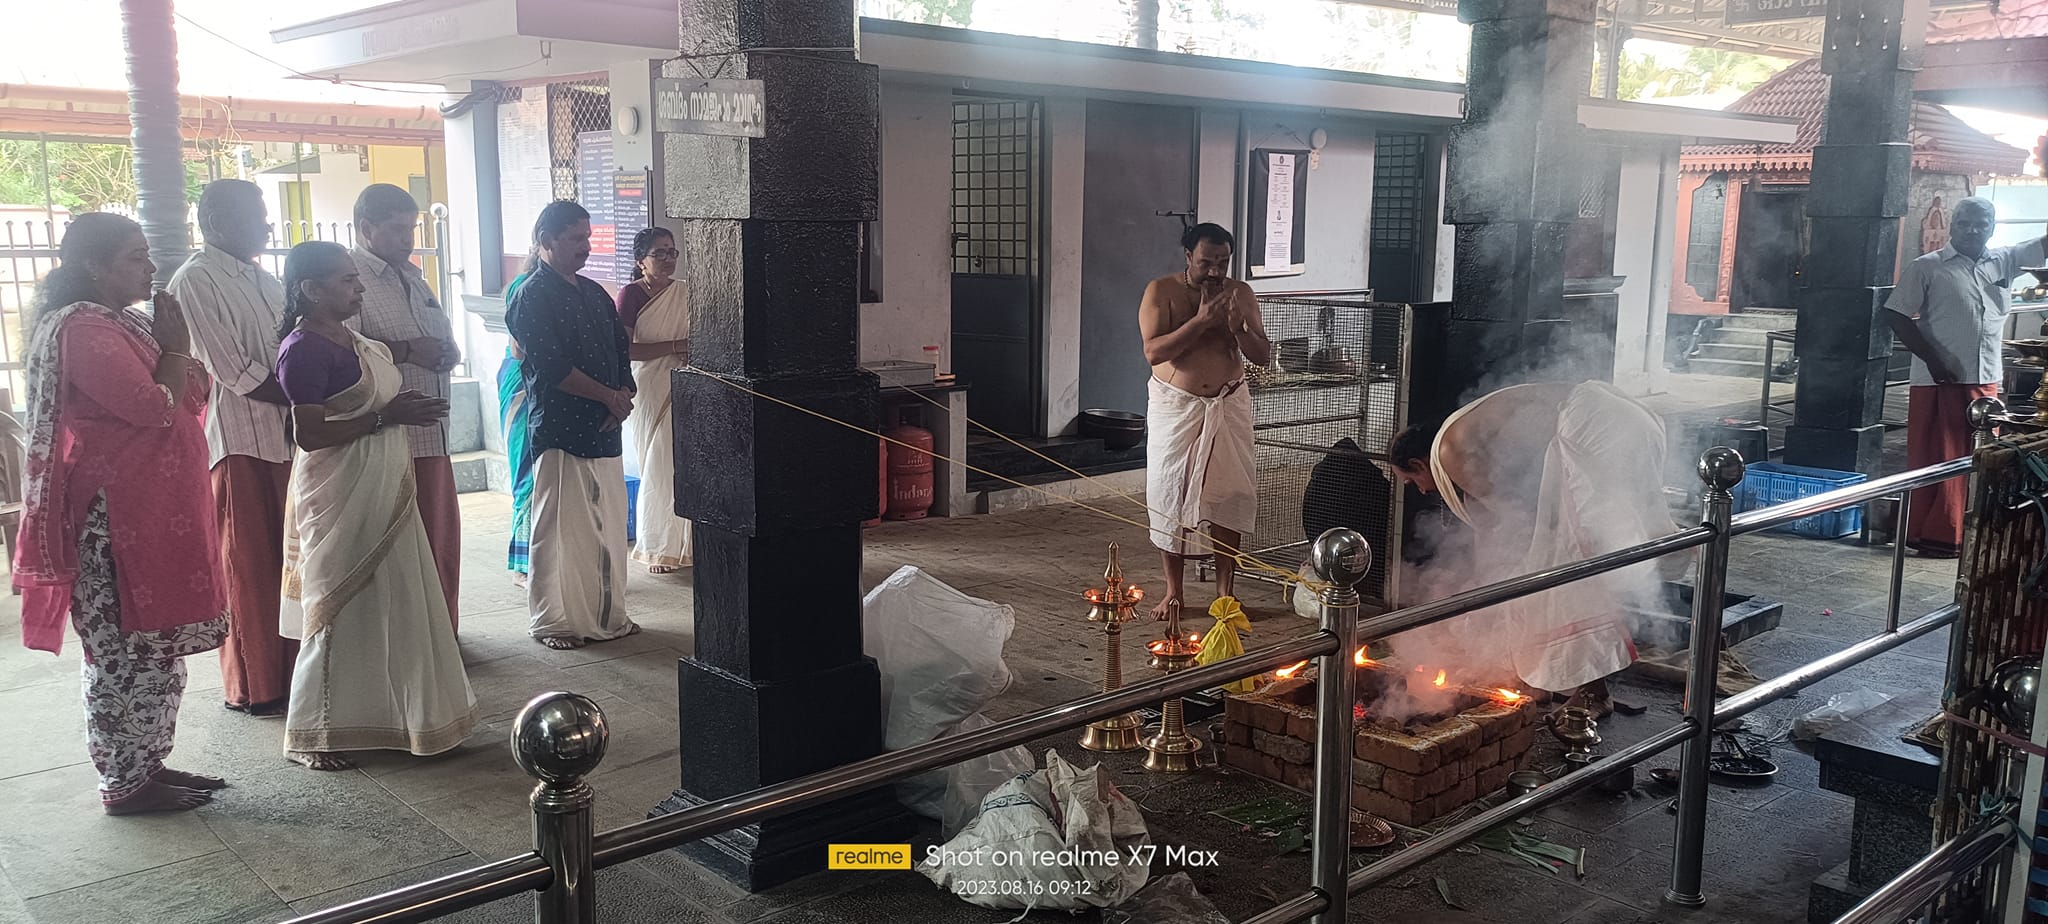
<point>1279,211</point>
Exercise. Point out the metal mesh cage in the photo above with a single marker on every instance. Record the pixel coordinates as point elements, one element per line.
<point>1339,374</point>
<point>995,185</point>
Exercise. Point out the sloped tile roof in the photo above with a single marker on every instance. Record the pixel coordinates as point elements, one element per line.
<point>1941,142</point>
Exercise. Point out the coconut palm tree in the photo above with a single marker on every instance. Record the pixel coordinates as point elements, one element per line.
<point>151,39</point>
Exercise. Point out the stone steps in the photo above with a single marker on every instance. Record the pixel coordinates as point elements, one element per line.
<point>1730,367</point>
<point>1735,351</point>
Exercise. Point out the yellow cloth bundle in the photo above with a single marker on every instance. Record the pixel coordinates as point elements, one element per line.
<point>1223,643</point>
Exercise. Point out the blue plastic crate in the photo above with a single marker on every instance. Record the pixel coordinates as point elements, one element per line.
<point>1768,484</point>
<point>632,509</point>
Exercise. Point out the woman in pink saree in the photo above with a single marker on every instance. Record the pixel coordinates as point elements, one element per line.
<point>117,527</point>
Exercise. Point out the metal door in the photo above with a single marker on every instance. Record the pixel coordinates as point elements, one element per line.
<point>1140,163</point>
<point>998,315</point>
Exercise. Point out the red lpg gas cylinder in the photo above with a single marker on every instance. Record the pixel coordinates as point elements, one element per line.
<point>910,470</point>
<point>881,483</point>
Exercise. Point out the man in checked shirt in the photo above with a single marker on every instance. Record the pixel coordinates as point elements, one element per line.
<point>400,312</point>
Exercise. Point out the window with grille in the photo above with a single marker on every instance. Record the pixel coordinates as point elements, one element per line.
<point>996,186</point>
<point>1397,191</point>
<point>573,109</point>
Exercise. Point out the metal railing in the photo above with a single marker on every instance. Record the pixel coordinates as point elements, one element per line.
<point>559,738</point>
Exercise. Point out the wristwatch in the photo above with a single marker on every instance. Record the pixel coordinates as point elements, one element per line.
<point>376,422</point>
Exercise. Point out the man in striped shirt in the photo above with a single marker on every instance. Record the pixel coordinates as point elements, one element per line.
<point>233,307</point>
<point>400,312</point>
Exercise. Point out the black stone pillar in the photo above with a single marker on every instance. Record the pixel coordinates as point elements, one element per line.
<point>1861,173</point>
<point>778,687</point>
<point>1514,178</point>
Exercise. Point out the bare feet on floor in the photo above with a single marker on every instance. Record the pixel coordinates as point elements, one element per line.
<point>188,780</point>
<point>158,797</point>
<point>662,569</point>
<point>562,642</point>
<point>320,760</point>
<point>1166,606</point>
<point>518,579</point>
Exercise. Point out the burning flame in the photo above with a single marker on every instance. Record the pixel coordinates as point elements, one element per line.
<point>1358,712</point>
<point>1358,657</point>
<point>1290,670</point>
<point>1194,638</point>
<point>1509,696</point>
<point>1439,681</point>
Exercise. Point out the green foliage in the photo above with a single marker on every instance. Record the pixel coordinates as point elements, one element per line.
<point>930,12</point>
<point>1702,71</point>
<point>82,177</point>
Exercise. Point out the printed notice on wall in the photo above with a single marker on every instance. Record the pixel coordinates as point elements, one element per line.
<point>1274,230</point>
<point>1279,210</point>
<point>525,179</point>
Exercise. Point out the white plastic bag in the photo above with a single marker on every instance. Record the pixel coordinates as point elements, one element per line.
<point>1841,709</point>
<point>1060,837</point>
<point>953,794</point>
<point>940,651</point>
<point>941,656</point>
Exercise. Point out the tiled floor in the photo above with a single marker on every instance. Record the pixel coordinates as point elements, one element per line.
<point>285,840</point>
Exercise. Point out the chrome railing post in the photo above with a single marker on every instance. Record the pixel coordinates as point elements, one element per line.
<point>558,739</point>
<point>1341,558</point>
<point>1721,469</point>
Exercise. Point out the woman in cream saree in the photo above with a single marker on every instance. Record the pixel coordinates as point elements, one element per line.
<point>378,665</point>
<point>657,312</point>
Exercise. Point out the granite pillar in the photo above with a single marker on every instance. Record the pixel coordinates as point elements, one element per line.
<point>769,229</point>
<point>1514,179</point>
<point>1862,171</point>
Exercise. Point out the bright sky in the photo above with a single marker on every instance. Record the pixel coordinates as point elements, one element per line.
<point>78,44</point>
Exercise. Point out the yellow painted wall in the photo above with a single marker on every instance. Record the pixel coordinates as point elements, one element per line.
<point>397,165</point>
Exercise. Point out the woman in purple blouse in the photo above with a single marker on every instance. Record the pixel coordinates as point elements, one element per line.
<point>378,667</point>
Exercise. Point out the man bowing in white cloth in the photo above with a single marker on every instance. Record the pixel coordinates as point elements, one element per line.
<point>1546,475</point>
<point>1200,328</point>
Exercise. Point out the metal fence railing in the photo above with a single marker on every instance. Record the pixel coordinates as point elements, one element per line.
<point>559,737</point>
<point>28,251</point>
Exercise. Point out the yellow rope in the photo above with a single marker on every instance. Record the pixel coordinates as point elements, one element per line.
<point>1242,559</point>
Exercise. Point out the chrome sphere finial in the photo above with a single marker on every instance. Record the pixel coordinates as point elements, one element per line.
<point>2015,688</point>
<point>559,737</point>
<point>1342,557</point>
<point>1983,413</point>
<point>1721,468</point>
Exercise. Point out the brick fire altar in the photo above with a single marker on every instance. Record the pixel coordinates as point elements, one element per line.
<point>1409,772</point>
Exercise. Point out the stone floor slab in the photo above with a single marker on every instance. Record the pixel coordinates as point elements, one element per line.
<point>57,838</point>
<point>214,889</point>
<point>304,839</point>
<point>52,711</point>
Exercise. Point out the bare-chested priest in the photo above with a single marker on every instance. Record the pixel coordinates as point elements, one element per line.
<point>1200,328</point>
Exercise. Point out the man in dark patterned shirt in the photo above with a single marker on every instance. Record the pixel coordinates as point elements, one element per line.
<point>581,386</point>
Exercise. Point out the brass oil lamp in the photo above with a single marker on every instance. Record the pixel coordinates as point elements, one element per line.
<point>1112,605</point>
<point>1171,749</point>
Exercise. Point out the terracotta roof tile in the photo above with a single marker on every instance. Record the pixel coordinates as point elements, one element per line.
<point>1940,140</point>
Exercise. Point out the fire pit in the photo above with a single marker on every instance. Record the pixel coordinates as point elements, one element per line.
<point>1423,746</point>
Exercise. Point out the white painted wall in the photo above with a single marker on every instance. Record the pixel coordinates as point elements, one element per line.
<point>1339,188</point>
<point>1067,124</point>
<point>916,191</point>
<point>1640,203</point>
<point>333,190</point>
<point>483,351</point>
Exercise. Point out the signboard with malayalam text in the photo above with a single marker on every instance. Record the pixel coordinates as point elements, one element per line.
<point>690,106</point>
